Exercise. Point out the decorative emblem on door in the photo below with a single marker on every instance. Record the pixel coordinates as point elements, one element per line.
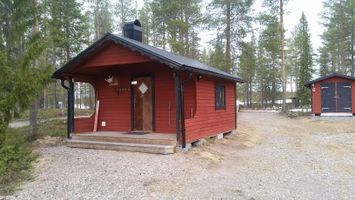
<point>143,88</point>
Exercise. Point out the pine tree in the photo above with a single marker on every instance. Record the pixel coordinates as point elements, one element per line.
<point>217,55</point>
<point>174,25</point>
<point>144,16</point>
<point>101,16</point>
<point>338,37</point>
<point>270,46</point>
<point>323,60</point>
<point>247,68</point>
<point>232,21</point>
<point>292,60</point>
<point>68,34</point>
<point>306,69</point>
<point>125,10</point>
<point>20,48</point>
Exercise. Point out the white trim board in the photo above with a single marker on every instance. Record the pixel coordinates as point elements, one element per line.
<point>339,114</point>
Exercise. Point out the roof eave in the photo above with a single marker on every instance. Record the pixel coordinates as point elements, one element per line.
<point>58,74</point>
<point>309,83</point>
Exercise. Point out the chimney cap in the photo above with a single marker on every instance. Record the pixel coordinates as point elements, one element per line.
<point>133,30</point>
<point>135,22</point>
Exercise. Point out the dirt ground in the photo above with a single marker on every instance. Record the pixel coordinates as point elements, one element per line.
<point>271,157</point>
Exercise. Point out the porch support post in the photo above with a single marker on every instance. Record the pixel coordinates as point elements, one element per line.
<point>182,108</point>
<point>70,108</point>
<point>177,106</point>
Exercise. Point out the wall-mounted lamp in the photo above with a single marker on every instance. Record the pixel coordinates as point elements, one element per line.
<point>313,88</point>
<point>199,77</point>
<point>112,80</point>
<point>109,79</point>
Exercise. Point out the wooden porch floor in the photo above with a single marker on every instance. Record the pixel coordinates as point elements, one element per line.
<point>111,140</point>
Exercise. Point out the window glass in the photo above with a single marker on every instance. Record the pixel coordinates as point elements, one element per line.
<point>220,101</point>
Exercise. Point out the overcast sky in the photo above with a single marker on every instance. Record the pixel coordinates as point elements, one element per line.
<point>294,9</point>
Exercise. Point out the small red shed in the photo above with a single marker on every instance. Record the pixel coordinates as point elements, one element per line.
<point>141,88</point>
<point>334,93</point>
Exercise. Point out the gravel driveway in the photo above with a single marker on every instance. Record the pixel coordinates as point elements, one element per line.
<point>272,157</point>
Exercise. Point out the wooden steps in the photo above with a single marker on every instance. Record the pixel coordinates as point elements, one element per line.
<point>149,143</point>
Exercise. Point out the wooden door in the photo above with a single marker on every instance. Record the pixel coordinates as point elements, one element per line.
<point>344,97</point>
<point>142,101</point>
<point>328,97</point>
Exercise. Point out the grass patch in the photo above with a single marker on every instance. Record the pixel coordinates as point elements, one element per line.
<point>53,128</point>
<point>15,161</point>
<point>53,113</point>
<point>16,156</point>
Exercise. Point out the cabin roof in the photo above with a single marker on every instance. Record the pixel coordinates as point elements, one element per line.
<point>308,84</point>
<point>172,60</point>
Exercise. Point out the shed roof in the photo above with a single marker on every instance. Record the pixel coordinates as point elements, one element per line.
<point>308,84</point>
<point>172,60</point>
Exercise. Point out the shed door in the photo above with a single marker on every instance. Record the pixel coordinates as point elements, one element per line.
<point>344,96</point>
<point>328,97</point>
<point>142,102</point>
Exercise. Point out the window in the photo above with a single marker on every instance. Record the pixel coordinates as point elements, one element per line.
<point>220,96</point>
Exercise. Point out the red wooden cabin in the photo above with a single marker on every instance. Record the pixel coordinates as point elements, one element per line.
<point>141,88</point>
<point>333,94</point>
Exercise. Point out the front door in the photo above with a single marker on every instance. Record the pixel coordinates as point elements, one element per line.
<point>344,97</point>
<point>142,103</point>
<point>328,97</point>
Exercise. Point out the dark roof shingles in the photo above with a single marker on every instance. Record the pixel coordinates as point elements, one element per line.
<point>309,83</point>
<point>180,62</point>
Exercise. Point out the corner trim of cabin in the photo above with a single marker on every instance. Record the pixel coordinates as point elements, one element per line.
<point>182,108</point>
<point>177,106</point>
<point>235,106</point>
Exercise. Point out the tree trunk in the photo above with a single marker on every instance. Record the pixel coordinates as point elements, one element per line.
<point>352,46</point>
<point>246,90</point>
<point>262,92</point>
<point>273,92</point>
<point>33,119</point>
<point>228,38</point>
<point>283,58</point>
<point>291,83</point>
<point>97,30</point>
<point>55,98</point>
<point>45,98</point>
<point>251,94</point>
<point>80,95</point>
<point>90,98</point>
<point>35,105</point>
<point>187,39</point>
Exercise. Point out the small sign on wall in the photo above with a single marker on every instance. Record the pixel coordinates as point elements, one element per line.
<point>313,88</point>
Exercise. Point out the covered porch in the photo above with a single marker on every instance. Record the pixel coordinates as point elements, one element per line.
<point>133,94</point>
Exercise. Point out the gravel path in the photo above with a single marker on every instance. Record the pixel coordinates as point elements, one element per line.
<point>272,157</point>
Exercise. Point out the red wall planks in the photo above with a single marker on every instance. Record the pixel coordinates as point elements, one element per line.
<point>114,55</point>
<point>208,121</point>
<point>115,108</point>
<point>84,124</point>
<point>202,119</point>
<point>317,95</point>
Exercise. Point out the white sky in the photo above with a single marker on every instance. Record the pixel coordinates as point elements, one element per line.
<point>294,9</point>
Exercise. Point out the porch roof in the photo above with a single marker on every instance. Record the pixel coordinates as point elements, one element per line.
<point>172,60</point>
